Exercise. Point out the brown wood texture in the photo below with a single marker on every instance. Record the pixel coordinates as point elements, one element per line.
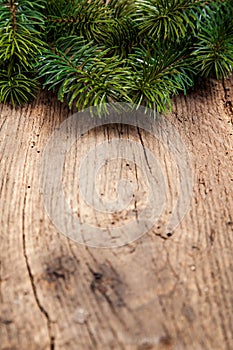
<point>158,292</point>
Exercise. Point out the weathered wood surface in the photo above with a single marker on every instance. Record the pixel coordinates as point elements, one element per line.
<point>156,293</point>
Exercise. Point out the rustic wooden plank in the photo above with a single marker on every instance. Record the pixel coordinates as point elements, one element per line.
<point>158,292</point>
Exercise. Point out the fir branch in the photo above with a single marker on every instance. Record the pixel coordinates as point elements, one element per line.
<point>78,17</point>
<point>20,43</point>
<point>85,75</point>
<point>16,87</point>
<point>213,51</point>
<point>165,19</point>
<point>107,24</point>
<point>159,74</point>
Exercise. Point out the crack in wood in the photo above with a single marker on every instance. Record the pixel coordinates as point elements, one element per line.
<point>144,149</point>
<point>31,278</point>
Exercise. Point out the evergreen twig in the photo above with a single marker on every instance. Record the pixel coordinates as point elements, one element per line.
<point>21,27</point>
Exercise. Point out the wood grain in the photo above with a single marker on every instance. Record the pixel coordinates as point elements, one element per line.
<point>158,292</point>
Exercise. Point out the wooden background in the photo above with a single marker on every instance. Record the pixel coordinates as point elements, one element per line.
<point>158,292</point>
